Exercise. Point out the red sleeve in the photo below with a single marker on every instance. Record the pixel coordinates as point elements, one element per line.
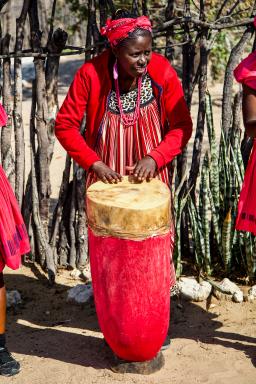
<point>245,72</point>
<point>68,121</point>
<point>178,117</point>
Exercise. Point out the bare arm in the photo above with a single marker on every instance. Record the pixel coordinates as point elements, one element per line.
<point>249,110</point>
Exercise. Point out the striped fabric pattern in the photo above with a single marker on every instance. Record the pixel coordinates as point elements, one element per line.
<point>119,146</point>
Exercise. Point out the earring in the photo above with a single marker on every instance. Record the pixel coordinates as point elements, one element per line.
<point>115,71</point>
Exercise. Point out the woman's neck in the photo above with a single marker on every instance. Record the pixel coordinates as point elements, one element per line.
<point>126,84</point>
<point>125,81</point>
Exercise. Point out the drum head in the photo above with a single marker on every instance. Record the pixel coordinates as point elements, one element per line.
<point>129,210</point>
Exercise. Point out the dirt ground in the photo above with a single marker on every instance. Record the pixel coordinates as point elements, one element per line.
<point>60,343</point>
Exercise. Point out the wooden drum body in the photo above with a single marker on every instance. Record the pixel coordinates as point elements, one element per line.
<point>129,247</point>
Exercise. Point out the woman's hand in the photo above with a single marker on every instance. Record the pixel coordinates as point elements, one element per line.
<point>105,174</point>
<point>145,169</point>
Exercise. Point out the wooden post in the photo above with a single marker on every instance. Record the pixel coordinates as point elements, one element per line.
<point>234,58</point>
<point>194,170</point>
<point>169,14</point>
<point>17,111</point>
<point>6,131</point>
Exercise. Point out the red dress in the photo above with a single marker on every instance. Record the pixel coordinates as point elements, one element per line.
<point>14,240</point>
<point>245,73</point>
<point>119,146</point>
<point>89,93</point>
<point>131,278</point>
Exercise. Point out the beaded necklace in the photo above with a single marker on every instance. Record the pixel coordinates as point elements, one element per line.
<point>127,119</point>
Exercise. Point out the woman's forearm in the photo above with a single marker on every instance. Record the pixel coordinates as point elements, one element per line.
<point>250,128</point>
<point>249,110</point>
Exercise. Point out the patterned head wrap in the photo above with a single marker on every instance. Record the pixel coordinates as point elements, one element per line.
<point>118,30</point>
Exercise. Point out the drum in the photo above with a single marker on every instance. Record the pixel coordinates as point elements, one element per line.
<point>129,247</point>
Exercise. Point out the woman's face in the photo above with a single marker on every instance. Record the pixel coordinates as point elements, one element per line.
<point>133,56</point>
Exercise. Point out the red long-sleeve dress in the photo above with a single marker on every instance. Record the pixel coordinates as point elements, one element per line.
<point>91,91</point>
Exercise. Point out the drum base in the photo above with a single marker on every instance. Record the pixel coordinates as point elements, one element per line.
<point>142,368</point>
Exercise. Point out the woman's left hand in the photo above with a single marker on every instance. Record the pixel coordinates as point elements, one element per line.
<point>145,169</point>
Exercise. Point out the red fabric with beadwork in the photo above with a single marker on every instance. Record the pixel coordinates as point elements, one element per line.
<point>89,93</point>
<point>120,146</point>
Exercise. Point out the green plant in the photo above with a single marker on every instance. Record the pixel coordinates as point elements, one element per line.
<point>216,244</point>
<point>220,53</point>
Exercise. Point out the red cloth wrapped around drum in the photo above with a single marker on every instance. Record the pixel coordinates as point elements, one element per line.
<point>129,248</point>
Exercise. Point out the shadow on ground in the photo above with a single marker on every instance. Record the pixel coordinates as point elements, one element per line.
<point>47,326</point>
<point>189,321</point>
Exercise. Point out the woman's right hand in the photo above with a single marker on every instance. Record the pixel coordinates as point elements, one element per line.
<point>105,174</point>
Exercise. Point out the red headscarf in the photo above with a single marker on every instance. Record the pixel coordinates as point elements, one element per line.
<point>117,30</point>
<point>245,72</point>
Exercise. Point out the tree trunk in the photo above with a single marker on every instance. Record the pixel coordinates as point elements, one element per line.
<point>169,14</point>
<point>233,61</point>
<point>57,215</point>
<point>81,223</point>
<point>42,245</point>
<point>6,131</point>
<point>41,116</point>
<point>188,56</point>
<point>135,7</point>
<point>17,111</point>
<point>194,170</point>
<point>55,46</point>
<point>145,8</point>
<point>103,12</point>
<point>111,6</point>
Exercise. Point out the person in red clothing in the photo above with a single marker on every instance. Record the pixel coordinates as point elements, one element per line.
<point>14,242</point>
<point>136,116</point>
<point>245,73</point>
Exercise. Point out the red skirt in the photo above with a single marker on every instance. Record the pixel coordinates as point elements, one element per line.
<point>14,240</point>
<point>246,217</point>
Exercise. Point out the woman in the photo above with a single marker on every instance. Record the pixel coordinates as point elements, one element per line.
<point>136,116</point>
<point>13,243</point>
<point>245,74</point>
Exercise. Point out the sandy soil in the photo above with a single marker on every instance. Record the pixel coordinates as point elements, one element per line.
<point>60,343</point>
